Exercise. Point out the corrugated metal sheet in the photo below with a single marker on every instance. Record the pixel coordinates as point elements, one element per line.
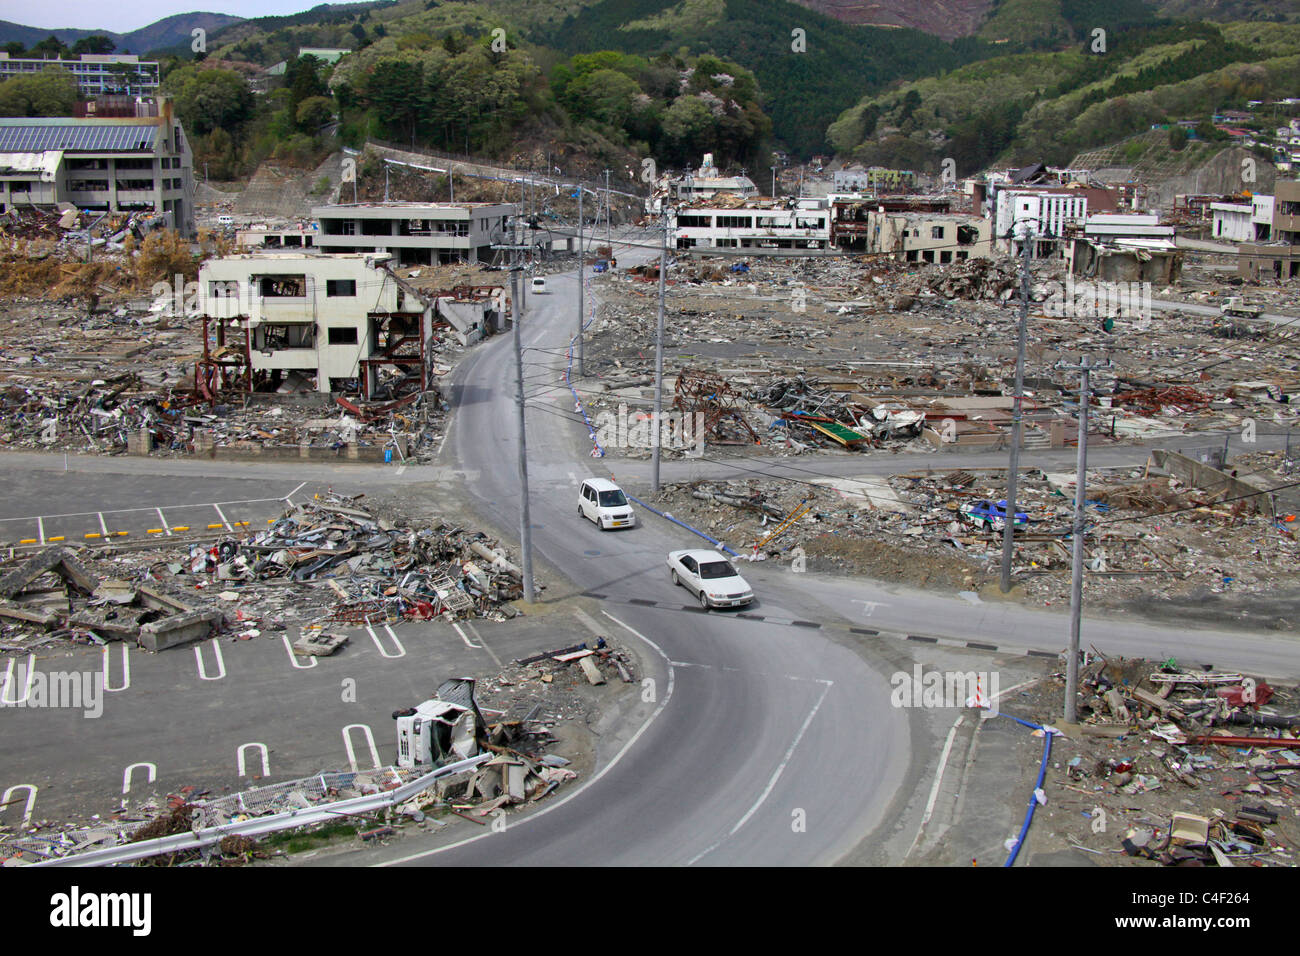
<point>24,139</point>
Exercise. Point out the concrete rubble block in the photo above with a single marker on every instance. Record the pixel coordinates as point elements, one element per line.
<point>62,561</point>
<point>179,629</point>
<point>319,645</point>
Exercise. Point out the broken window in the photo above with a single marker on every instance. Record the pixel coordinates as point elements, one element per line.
<point>698,221</point>
<point>735,222</point>
<point>376,227</point>
<point>936,232</point>
<point>967,235</point>
<point>275,338</point>
<point>812,222</point>
<point>343,335</point>
<point>283,287</point>
<point>340,287</point>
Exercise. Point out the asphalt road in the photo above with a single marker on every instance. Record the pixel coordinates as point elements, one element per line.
<point>763,720</point>
<point>758,749</point>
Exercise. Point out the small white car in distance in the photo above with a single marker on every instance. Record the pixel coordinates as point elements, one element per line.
<point>710,577</point>
<point>602,501</point>
<point>539,285</point>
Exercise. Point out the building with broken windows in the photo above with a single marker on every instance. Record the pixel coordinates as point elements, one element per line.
<point>136,164</point>
<point>96,73</point>
<point>415,234</point>
<point>340,323</point>
<point>1278,258</point>
<point>755,224</point>
<point>933,237</point>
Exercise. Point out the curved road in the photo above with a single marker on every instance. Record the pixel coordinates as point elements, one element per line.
<point>760,742</point>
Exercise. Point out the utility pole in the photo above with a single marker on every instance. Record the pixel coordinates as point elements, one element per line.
<point>582,273</point>
<point>451,182</point>
<point>657,420</point>
<point>1076,568</point>
<point>385,182</point>
<point>1008,530</point>
<point>608,205</point>
<point>525,526</point>
<point>773,182</point>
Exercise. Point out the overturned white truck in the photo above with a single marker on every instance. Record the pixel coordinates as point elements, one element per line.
<point>447,727</point>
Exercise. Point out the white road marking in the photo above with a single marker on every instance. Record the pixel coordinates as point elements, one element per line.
<point>771,783</point>
<point>293,658</point>
<point>668,695</point>
<point>126,775</point>
<point>482,643</point>
<point>126,670</point>
<point>103,526</point>
<point>401,651</point>
<point>939,771</point>
<point>869,607</point>
<point>464,637</point>
<point>40,529</point>
<point>31,799</point>
<point>370,742</point>
<point>240,759</point>
<point>9,676</point>
<point>288,499</point>
<point>221,663</point>
<point>120,511</point>
<point>166,527</point>
<point>222,516</point>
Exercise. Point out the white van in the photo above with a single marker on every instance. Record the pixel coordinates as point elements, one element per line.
<point>225,220</point>
<point>602,501</point>
<point>539,285</point>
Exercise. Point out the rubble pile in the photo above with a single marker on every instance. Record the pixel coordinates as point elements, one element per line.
<point>1176,765</point>
<point>324,564</point>
<point>937,341</point>
<point>1149,533</point>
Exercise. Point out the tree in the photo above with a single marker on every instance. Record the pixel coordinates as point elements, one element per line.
<point>1177,138</point>
<point>210,99</point>
<point>688,127</point>
<point>50,47</point>
<point>314,112</point>
<point>603,95</point>
<point>98,44</point>
<point>51,92</point>
<point>14,48</point>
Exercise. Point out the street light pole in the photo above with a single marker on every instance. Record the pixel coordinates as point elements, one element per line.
<point>1008,530</point>
<point>608,206</point>
<point>657,419</point>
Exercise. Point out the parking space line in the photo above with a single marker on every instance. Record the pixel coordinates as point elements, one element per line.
<point>126,775</point>
<point>288,499</point>
<point>401,651</point>
<point>241,764</point>
<point>103,525</point>
<point>293,658</point>
<point>370,742</point>
<point>126,670</point>
<point>222,516</point>
<point>31,799</point>
<point>163,520</point>
<point>221,663</point>
<point>40,528</point>
<point>8,681</point>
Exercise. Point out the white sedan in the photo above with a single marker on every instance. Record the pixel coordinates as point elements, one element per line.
<point>710,577</point>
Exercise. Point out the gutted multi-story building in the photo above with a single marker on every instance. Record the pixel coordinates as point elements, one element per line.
<point>340,323</point>
<point>137,164</point>
<point>415,233</point>
<point>1278,258</point>
<point>755,224</point>
<point>933,237</point>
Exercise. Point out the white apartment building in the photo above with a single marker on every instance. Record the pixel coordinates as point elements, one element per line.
<point>1232,221</point>
<point>756,224</point>
<point>1019,211</point>
<point>415,233</point>
<point>97,74</point>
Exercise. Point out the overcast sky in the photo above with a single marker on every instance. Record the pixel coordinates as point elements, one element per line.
<point>125,17</point>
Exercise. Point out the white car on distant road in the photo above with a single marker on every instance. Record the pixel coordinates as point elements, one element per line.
<point>710,577</point>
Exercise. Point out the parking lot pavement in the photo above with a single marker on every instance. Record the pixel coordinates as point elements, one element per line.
<point>221,714</point>
<point>59,512</point>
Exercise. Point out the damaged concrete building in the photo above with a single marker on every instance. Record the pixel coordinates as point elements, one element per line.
<point>757,224</point>
<point>344,322</point>
<point>415,234</point>
<point>137,164</point>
